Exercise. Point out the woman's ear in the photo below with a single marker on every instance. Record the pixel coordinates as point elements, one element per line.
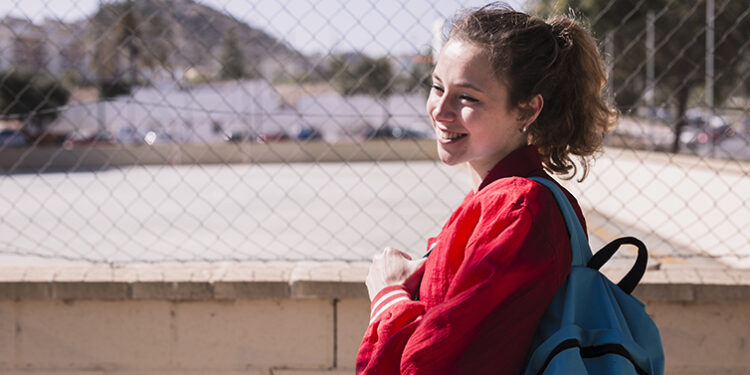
<point>531,109</point>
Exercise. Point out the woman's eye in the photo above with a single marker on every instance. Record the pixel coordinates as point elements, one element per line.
<point>437,88</point>
<point>467,98</point>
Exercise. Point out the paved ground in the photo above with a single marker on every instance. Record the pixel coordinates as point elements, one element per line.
<point>239,212</point>
<point>688,212</point>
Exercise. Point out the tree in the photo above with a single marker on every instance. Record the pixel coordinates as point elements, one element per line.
<point>33,98</point>
<point>680,47</point>
<point>420,76</point>
<point>232,59</point>
<point>361,74</point>
<point>128,33</point>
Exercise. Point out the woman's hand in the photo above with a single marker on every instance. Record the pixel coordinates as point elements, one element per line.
<point>394,267</point>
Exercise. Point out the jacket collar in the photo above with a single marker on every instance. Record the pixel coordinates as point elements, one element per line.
<point>524,162</point>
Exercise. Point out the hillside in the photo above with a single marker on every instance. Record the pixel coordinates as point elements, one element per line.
<point>198,32</point>
<point>171,35</point>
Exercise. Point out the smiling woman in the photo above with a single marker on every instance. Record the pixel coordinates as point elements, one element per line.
<point>468,111</point>
<point>512,95</point>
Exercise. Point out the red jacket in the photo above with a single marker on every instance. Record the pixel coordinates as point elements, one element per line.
<point>494,268</point>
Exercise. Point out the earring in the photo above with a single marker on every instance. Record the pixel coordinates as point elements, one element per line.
<point>523,129</point>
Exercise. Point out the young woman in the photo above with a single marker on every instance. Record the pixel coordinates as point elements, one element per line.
<point>512,96</point>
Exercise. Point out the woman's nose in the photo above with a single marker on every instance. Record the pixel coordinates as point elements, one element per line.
<point>442,110</point>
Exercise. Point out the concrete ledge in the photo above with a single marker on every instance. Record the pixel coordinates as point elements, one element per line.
<point>67,290</point>
<point>310,372</point>
<point>722,293</point>
<point>111,156</point>
<point>286,318</point>
<point>15,290</point>
<point>665,292</point>
<point>171,291</point>
<point>329,289</point>
<point>251,371</point>
<point>250,290</point>
<point>283,280</point>
<point>200,291</point>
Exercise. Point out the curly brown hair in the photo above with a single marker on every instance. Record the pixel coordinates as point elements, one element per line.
<point>557,59</point>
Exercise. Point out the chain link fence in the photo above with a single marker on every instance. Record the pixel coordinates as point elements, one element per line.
<point>158,130</point>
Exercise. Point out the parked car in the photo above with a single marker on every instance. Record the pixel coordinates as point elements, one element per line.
<point>308,133</point>
<point>239,136</point>
<point>12,138</point>
<point>658,113</point>
<point>132,135</point>
<point>692,136</point>
<point>272,137</point>
<point>704,128</point>
<point>390,132</point>
<point>98,138</point>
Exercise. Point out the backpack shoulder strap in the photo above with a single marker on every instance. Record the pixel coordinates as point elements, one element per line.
<point>579,245</point>
<point>582,255</point>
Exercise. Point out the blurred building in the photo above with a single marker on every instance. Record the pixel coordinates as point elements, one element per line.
<point>22,44</point>
<point>54,46</point>
<point>238,110</point>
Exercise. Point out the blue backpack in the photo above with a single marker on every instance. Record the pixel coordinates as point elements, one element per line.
<point>593,326</point>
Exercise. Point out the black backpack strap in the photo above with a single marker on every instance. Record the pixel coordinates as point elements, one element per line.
<point>633,277</point>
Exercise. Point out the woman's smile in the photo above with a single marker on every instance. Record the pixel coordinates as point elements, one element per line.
<point>447,136</point>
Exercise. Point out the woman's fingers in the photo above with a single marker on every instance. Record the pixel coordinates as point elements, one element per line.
<point>415,278</point>
<point>391,267</point>
<point>389,251</point>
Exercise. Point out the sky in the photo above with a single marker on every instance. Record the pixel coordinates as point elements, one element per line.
<point>374,26</point>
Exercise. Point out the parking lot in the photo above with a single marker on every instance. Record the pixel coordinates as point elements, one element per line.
<point>689,214</point>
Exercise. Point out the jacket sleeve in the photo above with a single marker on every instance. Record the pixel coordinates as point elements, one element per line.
<point>512,266</point>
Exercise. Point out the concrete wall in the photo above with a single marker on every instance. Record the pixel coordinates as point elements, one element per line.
<point>281,318</point>
<point>89,157</point>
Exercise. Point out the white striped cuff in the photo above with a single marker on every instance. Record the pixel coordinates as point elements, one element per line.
<point>387,300</point>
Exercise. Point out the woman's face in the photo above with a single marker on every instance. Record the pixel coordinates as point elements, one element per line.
<point>469,111</point>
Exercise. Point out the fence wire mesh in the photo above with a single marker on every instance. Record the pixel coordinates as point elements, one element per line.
<point>181,130</point>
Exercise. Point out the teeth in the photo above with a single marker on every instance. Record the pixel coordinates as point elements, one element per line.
<point>449,135</point>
